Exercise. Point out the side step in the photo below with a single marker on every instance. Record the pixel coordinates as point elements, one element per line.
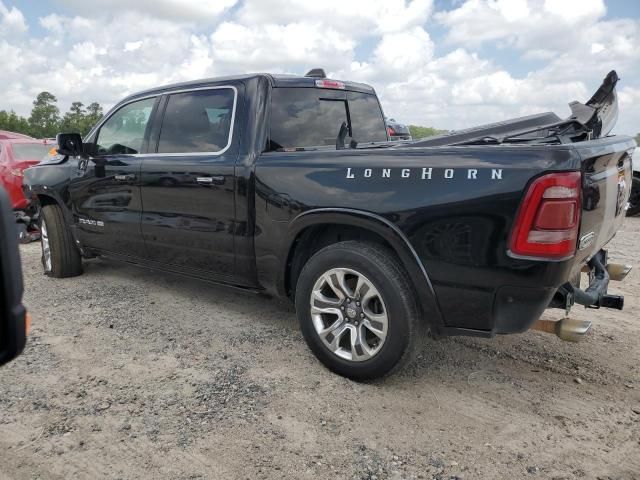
<point>568,329</point>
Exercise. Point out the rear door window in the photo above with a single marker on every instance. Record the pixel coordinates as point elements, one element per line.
<point>198,121</point>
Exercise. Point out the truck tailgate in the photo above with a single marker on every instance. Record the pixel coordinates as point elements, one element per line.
<point>607,177</point>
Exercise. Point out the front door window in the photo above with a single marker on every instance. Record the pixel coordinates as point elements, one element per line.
<point>124,131</point>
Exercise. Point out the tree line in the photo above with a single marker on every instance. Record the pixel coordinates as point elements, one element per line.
<point>421,132</point>
<point>45,120</point>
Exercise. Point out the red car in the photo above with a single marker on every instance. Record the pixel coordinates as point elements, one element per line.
<point>18,152</point>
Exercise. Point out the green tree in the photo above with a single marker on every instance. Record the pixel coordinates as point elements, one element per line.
<point>12,122</point>
<point>73,120</point>
<point>421,132</point>
<point>93,116</point>
<point>45,116</point>
<point>45,120</point>
<point>638,139</point>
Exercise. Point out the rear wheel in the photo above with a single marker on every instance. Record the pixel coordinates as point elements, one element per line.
<point>634,198</point>
<point>60,256</point>
<point>357,309</point>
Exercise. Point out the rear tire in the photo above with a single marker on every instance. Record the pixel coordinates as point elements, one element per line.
<point>60,256</point>
<point>634,198</point>
<point>357,309</point>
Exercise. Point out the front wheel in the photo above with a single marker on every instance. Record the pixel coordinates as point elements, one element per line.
<point>60,256</point>
<point>357,309</point>
<point>634,198</point>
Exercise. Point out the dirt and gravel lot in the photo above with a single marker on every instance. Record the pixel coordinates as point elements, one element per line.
<point>133,374</point>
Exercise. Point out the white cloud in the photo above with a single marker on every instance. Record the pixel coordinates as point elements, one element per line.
<point>404,52</point>
<point>132,46</point>
<point>279,48</point>
<point>575,11</point>
<point>11,20</point>
<point>629,101</point>
<point>356,17</point>
<point>392,44</point>
<point>521,23</point>
<point>190,10</point>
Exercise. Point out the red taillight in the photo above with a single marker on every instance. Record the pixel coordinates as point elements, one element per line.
<point>391,131</point>
<point>547,224</point>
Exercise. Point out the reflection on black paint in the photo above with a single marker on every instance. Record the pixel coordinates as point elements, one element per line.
<point>462,240</point>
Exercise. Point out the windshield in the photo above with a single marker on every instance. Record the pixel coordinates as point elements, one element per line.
<point>30,151</point>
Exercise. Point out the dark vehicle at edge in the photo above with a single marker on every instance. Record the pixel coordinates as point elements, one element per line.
<point>13,314</point>
<point>289,186</point>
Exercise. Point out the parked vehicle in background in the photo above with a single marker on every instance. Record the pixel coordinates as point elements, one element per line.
<point>397,131</point>
<point>18,152</point>
<point>634,198</point>
<point>289,185</point>
<point>5,135</point>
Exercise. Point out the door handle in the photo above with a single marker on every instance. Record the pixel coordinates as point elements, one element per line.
<point>125,178</point>
<point>215,180</point>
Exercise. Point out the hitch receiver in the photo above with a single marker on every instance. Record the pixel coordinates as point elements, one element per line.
<point>612,301</point>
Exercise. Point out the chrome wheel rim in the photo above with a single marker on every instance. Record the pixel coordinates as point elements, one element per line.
<point>349,314</point>
<point>46,249</point>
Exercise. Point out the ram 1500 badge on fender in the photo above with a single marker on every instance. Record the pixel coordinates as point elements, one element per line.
<point>289,185</point>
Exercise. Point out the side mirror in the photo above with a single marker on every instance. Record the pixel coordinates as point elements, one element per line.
<point>69,144</point>
<point>13,315</point>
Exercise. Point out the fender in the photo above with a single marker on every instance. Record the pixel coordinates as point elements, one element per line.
<point>50,180</point>
<point>38,191</point>
<point>387,230</point>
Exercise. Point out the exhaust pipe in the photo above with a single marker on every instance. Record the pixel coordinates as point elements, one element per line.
<point>618,271</point>
<point>568,329</point>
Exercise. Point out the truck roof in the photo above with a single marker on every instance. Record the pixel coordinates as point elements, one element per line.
<point>276,80</point>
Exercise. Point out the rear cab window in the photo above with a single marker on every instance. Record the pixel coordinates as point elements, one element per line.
<point>311,117</point>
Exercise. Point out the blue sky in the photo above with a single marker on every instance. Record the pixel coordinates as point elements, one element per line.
<point>449,64</point>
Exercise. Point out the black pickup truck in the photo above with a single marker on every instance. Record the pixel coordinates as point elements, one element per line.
<point>289,185</point>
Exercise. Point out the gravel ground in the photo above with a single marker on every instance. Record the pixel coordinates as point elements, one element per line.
<point>132,374</point>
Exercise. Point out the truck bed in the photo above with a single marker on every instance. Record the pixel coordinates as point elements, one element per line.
<point>456,206</point>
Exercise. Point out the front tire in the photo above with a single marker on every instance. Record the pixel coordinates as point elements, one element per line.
<point>357,309</point>
<point>60,256</point>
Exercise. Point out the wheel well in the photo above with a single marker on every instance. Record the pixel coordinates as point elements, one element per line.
<point>45,200</point>
<point>316,237</point>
